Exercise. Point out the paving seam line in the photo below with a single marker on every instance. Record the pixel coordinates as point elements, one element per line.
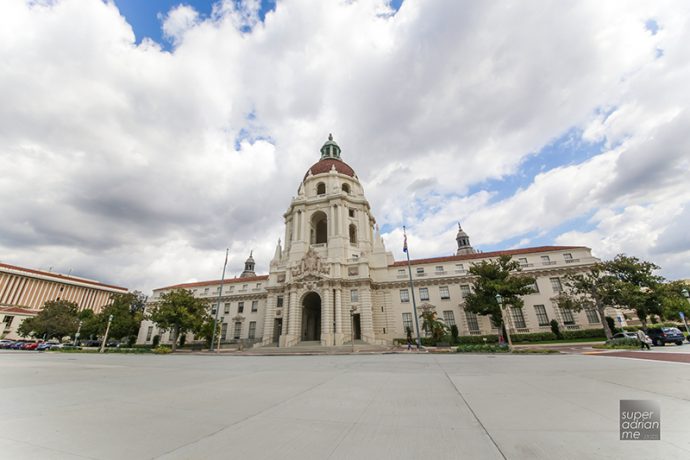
<point>471,410</point>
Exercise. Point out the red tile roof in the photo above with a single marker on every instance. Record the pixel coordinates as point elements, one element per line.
<point>486,255</point>
<point>248,279</point>
<point>61,277</point>
<point>18,311</point>
<point>325,165</point>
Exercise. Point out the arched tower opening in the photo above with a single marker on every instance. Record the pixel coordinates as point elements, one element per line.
<point>320,188</point>
<point>353,234</point>
<point>311,317</point>
<point>319,228</point>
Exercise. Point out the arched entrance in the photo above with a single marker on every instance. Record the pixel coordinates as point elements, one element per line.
<point>311,317</point>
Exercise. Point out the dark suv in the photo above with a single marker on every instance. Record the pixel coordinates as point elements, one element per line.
<point>664,335</point>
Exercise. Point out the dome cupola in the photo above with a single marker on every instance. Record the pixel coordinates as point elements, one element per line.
<point>330,149</point>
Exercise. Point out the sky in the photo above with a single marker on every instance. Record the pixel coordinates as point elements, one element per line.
<point>139,139</point>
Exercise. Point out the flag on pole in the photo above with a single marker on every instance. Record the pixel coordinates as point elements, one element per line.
<point>404,240</point>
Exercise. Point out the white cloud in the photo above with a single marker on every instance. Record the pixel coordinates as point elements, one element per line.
<point>123,160</point>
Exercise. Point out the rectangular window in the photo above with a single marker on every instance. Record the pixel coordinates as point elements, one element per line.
<point>231,288</point>
<point>226,309</point>
<point>545,259</point>
<point>255,306</point>
<point>420,271</point>
<point>240,307</point>
<point>423,293</point>
<point>258,285</point>
<point>567,315</point>
<point>354,295</point>
<point>444,292</point>
<point>567,256</point>
<point>439,268</point>
<point>279,302</point>
<point>8,320</point>
<point>238,330</point>
<point>543,319</point>
<point>205,291</point>
<point>556,285</point>
<point>244,287</point>
<point>404,295</point>
<point>592,315</point>
<point>214,307</point>
<point>149,333</point>
<point>472,323</point>
<point>223,331</point>
<point>518,318</point>
<point>351,212</point>
<point>252,329</point>
<point>459,267</point>
<point>449,318</point>
<point>407,322</point>
<point>401,273</point>
<point>535,287</point>
<point>464,290</point>
<point>522,260</point>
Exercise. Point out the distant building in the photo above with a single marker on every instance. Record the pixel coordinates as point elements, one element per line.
<point>24,291</point>
<point>334,279</point>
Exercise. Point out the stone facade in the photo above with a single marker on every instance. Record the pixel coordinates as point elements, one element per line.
<point>333,279</point>
<point>24,291</point>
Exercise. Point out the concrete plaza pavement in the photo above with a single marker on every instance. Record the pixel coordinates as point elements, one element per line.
<point>395,406</point>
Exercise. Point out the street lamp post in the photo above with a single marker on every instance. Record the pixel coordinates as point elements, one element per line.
<point>685,320</point>
<point>499,299</point>
<point>107,330</point>
<point>76,336</point>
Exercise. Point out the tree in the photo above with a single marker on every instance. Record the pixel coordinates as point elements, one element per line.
<point>206,330</point>
<point>593,289</point>
<point>672,300</point>
<point>180,312</point>
<point>57,319</point>
<point>497,277</point>
<point>432,325</point>
<point>127,311</point>
<point>636,286</point>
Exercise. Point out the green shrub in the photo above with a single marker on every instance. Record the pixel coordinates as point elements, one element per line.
<point>481,348</point>
<point>162,350</point>
<point>555,328</point>
<point>533,337</point>
<point>584,334</point>
<point>478,339</point>
<point>454,334</point>
<point>156,341</point>
<point>128,350</point>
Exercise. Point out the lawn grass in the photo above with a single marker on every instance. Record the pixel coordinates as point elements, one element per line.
<point>556,342</point>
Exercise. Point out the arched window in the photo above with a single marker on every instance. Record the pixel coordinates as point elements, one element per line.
<point>346,188</point>
<point>353,234</point>
<point>319,228</point>
<point>320,188</point>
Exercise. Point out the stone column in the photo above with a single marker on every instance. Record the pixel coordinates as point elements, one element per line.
<point>338,317</point>
<point>293,321</point>
<point>267,337</point>
<point>326,317</point>
<point>366,316</point>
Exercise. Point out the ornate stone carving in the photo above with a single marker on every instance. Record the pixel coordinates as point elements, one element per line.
<point>310,266</point>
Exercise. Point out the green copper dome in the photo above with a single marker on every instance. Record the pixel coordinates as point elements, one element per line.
<point>330,149</point>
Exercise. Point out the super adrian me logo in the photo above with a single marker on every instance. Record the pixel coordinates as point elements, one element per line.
<point>640,420</point>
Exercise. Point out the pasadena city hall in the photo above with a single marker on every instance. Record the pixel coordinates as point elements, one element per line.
<point>334,279</point>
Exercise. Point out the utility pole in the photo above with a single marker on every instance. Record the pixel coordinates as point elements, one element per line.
<point>76,336</point>
<point>107,330</point>
<point>414,302</point>
<point>220,293</point>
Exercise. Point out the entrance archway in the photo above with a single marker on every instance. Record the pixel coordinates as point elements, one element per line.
<point>311,317</point>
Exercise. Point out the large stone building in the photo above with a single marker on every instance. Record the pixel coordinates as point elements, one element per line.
<point>334,279</point>
<point>24,291</point>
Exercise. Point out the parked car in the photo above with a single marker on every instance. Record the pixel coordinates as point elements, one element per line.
<point>43,346</point>
<point>30,345</point>
<point>5,343</point>
<point>18,345</point>
<point>662,336</point>
<point>90,343</point>
<point>625,335</point>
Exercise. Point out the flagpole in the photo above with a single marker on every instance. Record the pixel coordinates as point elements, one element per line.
<point>220,293</point>
<point>414,302</point>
